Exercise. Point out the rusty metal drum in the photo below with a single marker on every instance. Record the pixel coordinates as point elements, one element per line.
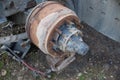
<point>43,22</point>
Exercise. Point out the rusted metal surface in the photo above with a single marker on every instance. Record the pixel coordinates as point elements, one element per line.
<point>43,21</point>
<point>60,63</point>
<point>43,25</point>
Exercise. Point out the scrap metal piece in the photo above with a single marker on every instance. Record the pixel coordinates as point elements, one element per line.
<point>11,7</point>
<point>13,38</point>
<point>19,48</point>
<point>59,63</point>
<point>43,27</point>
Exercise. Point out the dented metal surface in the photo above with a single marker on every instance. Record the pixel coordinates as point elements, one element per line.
<point>43,26</point>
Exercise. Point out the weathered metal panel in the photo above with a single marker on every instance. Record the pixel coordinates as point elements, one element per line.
<point>10,7</point>
<point>103,15</point>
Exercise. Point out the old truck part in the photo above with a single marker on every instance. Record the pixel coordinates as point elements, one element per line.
<point>55,30</point>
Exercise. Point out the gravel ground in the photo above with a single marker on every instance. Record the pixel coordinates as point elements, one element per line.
<point>102,62</point>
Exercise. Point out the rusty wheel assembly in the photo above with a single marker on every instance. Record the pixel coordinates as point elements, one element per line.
<point>54,29</point>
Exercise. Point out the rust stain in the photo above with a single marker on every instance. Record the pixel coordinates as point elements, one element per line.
<point>39,13</point>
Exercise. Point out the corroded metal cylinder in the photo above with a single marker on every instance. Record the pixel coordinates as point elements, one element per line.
<point>43,22</point>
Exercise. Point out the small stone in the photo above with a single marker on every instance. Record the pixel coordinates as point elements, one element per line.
<point>85,72</point>
<point>20,78</point>
<point>77,77</point>
<point>3,72</point>
<point>111,76</point>
<point>105,77</point>
<point>91,64</point>
<point>79,74</point>
<point>23,69</point>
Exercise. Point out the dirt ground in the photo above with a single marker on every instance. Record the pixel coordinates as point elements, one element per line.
<point>102,62</point>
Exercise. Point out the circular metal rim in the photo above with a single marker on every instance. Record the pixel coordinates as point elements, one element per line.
<point>48,45</point>
<point>28,19</point>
